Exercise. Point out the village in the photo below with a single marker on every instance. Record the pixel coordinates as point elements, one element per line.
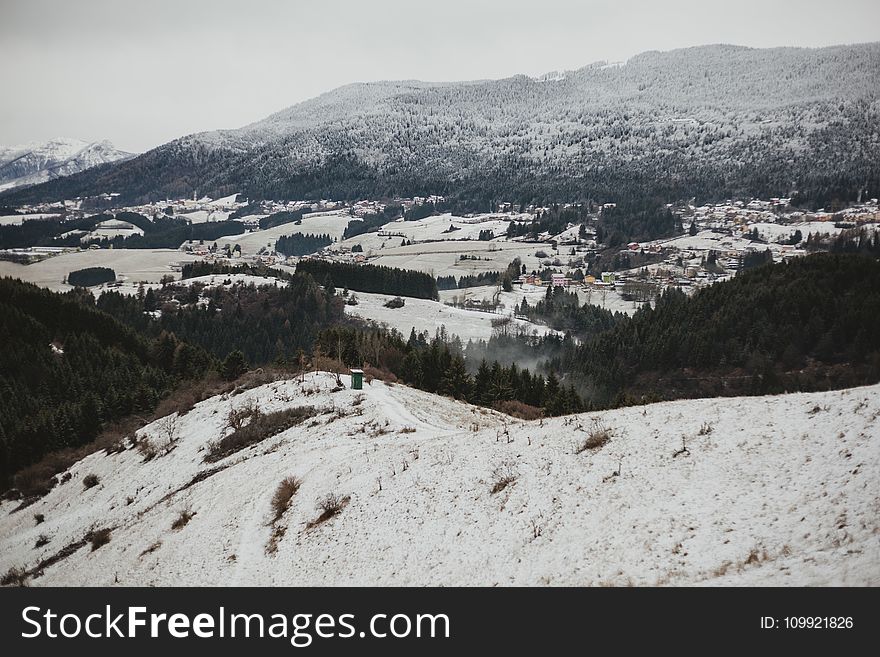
<point>466,254</point>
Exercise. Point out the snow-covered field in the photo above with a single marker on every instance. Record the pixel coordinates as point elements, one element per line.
<point>427,315</point>
<point>19,219</point>
<point>133,264</point>
<point>608,298</point>
<point>204,216</point>
<point>251,243</point>
<point>433,228</point>
<point>773,491</point>
<point>444,258</point>
<point>706,240</point>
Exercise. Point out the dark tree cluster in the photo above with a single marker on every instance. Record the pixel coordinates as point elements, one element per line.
<point>47,232</point>
<point>637,220</point>
<point>371,278</point>
<point>67,369</point>
<point>252,208</point>
<point>805,324</point>
<point>267,323</point>
<point>561,310</point>
<point>171,232</point>
<point>91,276</point>
<point>468,280</point>
<point>299,244</point>
<point>852,240</point>
<point>371,223</point>
<point>281,218</point>
<point>553,220</point>
<point>438,366</point>
<point>756,258</point>
<point>203,268</point>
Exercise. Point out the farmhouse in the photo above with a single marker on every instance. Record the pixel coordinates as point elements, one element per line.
<point>560,280</point>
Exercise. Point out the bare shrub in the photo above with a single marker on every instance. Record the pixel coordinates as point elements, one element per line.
<point>503,475</point>
<point>163,441</point>
<point>167,429</point>
<point>99,537</point>
<point>330,505</point>
<point>117,447</point>
<point>261,427</point>
<point>379,373</point>
<point>598,437</point>
<point>90,481</point>
<point>240,416</point>
<point>705,429</point>
<point>408,429</point>
<point>39,518</point>
<point>283,494</point>
<point>147,448</point>
<point>518,409</point>
<point>182,519</point>
<point>14,577</point>
<point>42,540</point>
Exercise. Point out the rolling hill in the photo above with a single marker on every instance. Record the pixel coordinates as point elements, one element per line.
<point>398,487</point>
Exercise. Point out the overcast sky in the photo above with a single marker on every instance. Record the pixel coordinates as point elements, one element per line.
<point>142,72</point>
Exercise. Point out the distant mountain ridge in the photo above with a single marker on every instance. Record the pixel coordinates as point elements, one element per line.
<point>39,162</point>
<point>710,121</point>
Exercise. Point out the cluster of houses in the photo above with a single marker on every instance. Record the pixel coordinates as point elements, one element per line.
<point>741,214</point>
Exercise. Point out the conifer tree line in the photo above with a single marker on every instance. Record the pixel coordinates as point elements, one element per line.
<point>438,365</point>
<point>67,369</point>
<point>281,218</point>
<point>370,278</point>
<point>267,323</point>
<point>805,324</point>
<point>851,240</point>
<point>371,223</point>
<point>164,232</point>
<point>300,244</point>
<point>205,268</point>
<point>171,232</point>
<point>562,310</point>
<point>469,280</point>
<point>47,232</point>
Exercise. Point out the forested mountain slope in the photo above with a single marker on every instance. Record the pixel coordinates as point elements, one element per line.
<point>711,121</point>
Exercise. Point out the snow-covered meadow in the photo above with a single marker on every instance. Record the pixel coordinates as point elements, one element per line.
<point>426,315</point>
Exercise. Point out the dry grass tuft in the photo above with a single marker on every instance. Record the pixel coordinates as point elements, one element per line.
<point>598,437</point>
<point>182,519</point>
<point>283,494</point>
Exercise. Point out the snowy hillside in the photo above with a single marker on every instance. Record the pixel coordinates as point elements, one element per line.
<point>426,315</point>
<point>684,121</point>
<point>770,490</point>
<point>34,163</point>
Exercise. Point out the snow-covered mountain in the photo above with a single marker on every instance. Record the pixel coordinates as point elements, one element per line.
<point>37,162</point>
<point>429,491</point>
<point>711,121</point>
